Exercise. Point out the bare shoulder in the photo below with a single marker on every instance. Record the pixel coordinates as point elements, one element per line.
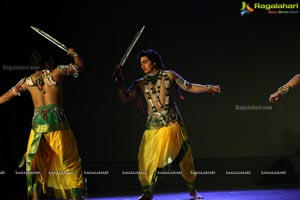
<point>140,82</point>
<point>171,74</point>
<point>57,74</point>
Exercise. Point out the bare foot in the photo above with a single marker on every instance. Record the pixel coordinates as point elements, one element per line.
<point>195,194</point>
<point>146,197</point>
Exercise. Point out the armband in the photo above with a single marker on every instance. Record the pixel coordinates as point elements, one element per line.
<point>283,89</point>
<point>70,69</point>
<point>182,83</point>
<point>18,90</point>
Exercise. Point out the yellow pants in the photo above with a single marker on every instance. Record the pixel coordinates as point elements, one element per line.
<point>58,165</point>
<point>163,149</point>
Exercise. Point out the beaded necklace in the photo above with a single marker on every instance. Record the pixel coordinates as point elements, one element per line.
<point>150,85</point>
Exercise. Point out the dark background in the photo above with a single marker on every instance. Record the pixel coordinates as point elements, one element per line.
<point>205,42</point>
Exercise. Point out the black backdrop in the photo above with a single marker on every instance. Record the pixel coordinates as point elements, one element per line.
<point>205,42</point>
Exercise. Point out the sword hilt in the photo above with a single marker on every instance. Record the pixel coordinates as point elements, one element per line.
<point>125,56</point>
<point>117,73</point>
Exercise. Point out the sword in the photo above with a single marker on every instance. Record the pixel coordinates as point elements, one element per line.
<point>136,37</point>
<point>50,38</point>
<point>126,54</point>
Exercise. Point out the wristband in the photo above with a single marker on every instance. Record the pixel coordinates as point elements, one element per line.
<point>74,54</point>
<point>210,88</point>
<point>283,89</point>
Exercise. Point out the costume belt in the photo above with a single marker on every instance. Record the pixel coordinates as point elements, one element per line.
<point>159,119</point>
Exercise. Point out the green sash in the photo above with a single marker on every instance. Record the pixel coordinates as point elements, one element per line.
<point>46,119</point>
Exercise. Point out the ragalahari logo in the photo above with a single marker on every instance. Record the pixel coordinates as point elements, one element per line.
<point>246,9</point>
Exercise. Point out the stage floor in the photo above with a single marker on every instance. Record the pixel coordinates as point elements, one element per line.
<point>258,194</point>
